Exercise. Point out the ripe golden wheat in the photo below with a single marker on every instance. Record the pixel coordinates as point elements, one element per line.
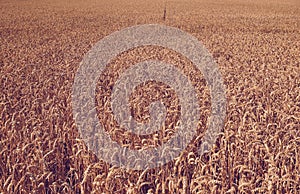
<point>256,45</point>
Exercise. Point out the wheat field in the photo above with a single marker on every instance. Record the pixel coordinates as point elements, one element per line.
<point>256,44</point>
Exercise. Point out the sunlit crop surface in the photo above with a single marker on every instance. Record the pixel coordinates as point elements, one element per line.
<point>256,45</point>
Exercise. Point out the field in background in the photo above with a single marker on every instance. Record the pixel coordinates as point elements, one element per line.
<point>255,43</point>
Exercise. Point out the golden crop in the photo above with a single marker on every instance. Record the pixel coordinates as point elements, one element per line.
<point>256,45</point>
